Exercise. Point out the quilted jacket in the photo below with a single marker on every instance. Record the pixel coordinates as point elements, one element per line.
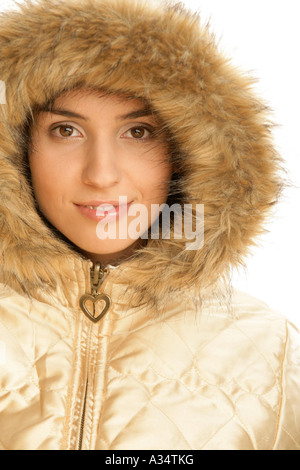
<point>180,359</point>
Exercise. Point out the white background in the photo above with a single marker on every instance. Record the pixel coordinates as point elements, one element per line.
<point>263,38</point>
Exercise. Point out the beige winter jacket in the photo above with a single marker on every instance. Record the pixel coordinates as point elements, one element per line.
<point>179,360</point>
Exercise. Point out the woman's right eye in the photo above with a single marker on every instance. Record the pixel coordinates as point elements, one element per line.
<point>65,130</point>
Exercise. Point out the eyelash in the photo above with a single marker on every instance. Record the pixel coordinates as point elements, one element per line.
<point>148,129</point>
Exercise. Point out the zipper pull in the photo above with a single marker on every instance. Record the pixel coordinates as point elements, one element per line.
<point>97,276</point>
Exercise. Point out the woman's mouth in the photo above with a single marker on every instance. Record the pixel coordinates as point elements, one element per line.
<point>104,212</point>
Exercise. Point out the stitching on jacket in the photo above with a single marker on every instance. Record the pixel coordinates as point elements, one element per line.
<point>216,432</point>
<point>193,392</point>
<point>167,364</point>
<point>46,353</point>
<point>202,345</point>
<point>232,324</point>
<point>105,377</point>
<point>281,385</point>
<point>244,426</point>
<point>257,349</point>
<point>174,424</point>
<point>234,415</point>
<point>293,439</point>
<point>31,379</point>
<point>90,397</point>
<point>18,393</point>
<point>142,408</point>
<point>179,380</point>
<point>127,423</point>
<point>159,374</point>
<point>255,394</point>
<point>17,342</point>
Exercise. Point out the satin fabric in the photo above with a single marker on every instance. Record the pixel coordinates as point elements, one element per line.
<point>227,378</point>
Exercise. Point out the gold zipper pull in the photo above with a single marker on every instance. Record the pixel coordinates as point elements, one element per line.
<point>97,276</point>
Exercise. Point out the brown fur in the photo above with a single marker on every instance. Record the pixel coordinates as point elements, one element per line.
<point>161,54</point>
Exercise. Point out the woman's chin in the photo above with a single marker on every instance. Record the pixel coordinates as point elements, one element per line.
<point>110,249</point>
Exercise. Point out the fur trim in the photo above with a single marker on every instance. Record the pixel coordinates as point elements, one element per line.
<point>161,54</point>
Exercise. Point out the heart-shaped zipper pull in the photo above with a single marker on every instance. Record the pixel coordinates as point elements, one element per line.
<point>88,302</point>
<point>93,316</point>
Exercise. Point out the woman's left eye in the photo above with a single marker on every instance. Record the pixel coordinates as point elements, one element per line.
<point>65,130</point>
<point>138,133</point>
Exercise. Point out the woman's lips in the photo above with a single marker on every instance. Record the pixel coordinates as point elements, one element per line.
<point>105,212</point>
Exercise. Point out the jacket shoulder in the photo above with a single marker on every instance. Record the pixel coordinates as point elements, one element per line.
<point>267,328</point>
<point>246,307</point>
<point>246,304</point>
<point>278,341</point>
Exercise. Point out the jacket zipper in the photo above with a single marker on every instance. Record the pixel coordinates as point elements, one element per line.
<point>97,276</point>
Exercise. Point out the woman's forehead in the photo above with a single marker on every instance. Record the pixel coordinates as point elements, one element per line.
<point>85,103</point>
<point>80,96</point>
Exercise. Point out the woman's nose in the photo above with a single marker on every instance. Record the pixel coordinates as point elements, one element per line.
<point>101,167</point>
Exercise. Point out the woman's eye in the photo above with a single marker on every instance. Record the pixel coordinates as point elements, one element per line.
<point>138,133</point>
<point>65,130</point>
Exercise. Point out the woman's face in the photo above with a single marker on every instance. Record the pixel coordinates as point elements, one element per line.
<point>90,154</point>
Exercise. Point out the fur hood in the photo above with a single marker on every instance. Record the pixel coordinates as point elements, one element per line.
<point>220,134</point>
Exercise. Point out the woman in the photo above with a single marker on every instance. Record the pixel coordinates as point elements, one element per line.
<point>115,332</point>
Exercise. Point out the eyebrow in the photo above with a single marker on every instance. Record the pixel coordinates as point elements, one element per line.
<point>132,115</point>
<point>67,113</point>
<point>136,114</point>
